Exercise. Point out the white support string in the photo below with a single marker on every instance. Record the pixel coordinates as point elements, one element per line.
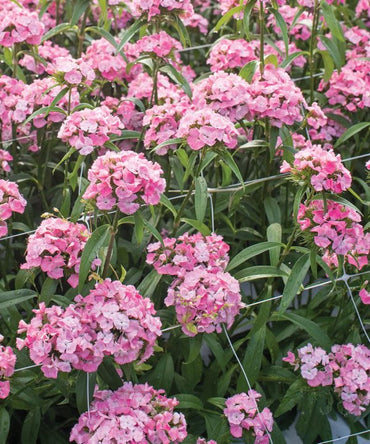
<point>345,437</point>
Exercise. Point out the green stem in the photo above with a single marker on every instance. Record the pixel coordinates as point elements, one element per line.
<point>262,38</point>
<point>113,232</point>
<point>313,43</point>
<point>81,35</point>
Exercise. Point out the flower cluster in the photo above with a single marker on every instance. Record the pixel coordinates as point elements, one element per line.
<point>124,180</point>
<point>230,54</point>
<point>56,248</point>
<point>320,168</point>
<point>7,363</point>
<point>206,128</point>
<point>243,415</point>
<point>152,8</point>
<point>346,368</point>
<point>90,128</point>
<point>365,294</point>
<point>71,72</point>
<point>112,320</point>
<point>204,295</point>
<point>160,45</point>
<point>335,228</point>
<point>48,51</point>
<point>11,201</point>
<point>5,158</point>
<point>18,25</point>
<point>132,414</point>
<point>177,256</point>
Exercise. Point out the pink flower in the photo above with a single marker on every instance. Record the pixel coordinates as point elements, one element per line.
<point>365,295</point>
<point>124,180</point>
<point>7,363</point>
<point>152,8</point>
<point>132,414</point>
<point>11,201</point>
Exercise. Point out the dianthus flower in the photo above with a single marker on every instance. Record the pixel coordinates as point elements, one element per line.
<point>227,94</point>
<point>112,320</point>
<point>331,130</point>
<point>101,56</point>
<point>178,256</point>
<point>132,414</point>
<point>163,123</point>
<point>365,294</point>
<point>152,8</point>
<point>13,107</point>
<point>204,299</point>
<point>346,368</point>
<point>319,168</point>
<point>206,128</point>
<point>363,8</point>
<point>160,45</point>
<point>360,40</point>
<point>7,363</point>
<point>124,180</point>
<point>335,228</point>
<point>5,157</point>
<point>229,54</point>
<point>350,87</point>
<point>276,97</point>
<point>48,51</point>
<point>242,413</point>
<point>89,128</point>
<point>56,247</point>
<point>71,72</point>
<point>11,201</point>
<point>195,20</point>
<point>19,25</point>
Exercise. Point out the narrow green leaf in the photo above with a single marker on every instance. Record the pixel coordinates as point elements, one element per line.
<point>328,64</point>
<point>168,142</point>
<point>259,272</point>
<point>127,134</point>
<point>250,252</point>
<point>246,18</point>
<point>85,381</point>
<point>197,225</point>
<point>294,282</point>
<point>335,50</point>
<point>78,9</point>
<point>291,57</point>
<point>162,375</point>
<point>330,19</point>
<point>272,210</point>
<point>283,27</point>
<point>149,284</point>
<point>188,401</point>
<point>31,426</point>
<point>57,30</point>
<point>168,204</point>
<point>177,77</point>
<point>13,297</point>
<point>107,371</point>
<point>227,17</point>
<point>230,162</point>
<point>274,234</point>
<point>4,425</point>
<point>98,239</point>
<point>248,70</point>
<point>151,228</point>
<point>129,33</point>
<point>201,198</point>
<point>350,132</point>
<point>48,290</point>
<point>314,330</point>
<point>292,397</point>
<point>182,31</point>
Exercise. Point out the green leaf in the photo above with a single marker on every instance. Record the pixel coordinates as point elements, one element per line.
<point>330,19</point>
<point>283,27</point>
<point>314,330</point>
<point>350,132</point>
<point>274,234</point>
<point>151,228</point>
<point>107,371</point>
<point>149,284</point>
<point>328,64</point>
<point>139,227</point>
<point>230,162</point>
<point>253,359</point>
<point>13,297</point>
<point>250,252</point>
<point>227,17</point>
<point>248,70</point>
<point>57,30</point>
<point>4,425</point>
<point>294,282</point>
<point>129,33</point>
<point>162,375</point>
<point>177,77</point>
<point>85,385</point>
<point>182,31</point>
<point>31,426</point>
<point>168,204</point>
<point>197,225</point>
<point>336,50</point>
<point>48,290</point>
<point>259,272</point>
<point>272,210</point>
<point>168,142</point>
<point>78,9</point>
<point>246,17</point>
<point>127,134</point>
<point>291,57</point>
<point>292,397</point>
<point>188,401</point>
<point>98,239</point>
<point>105,34</point>
<point>201,198</point>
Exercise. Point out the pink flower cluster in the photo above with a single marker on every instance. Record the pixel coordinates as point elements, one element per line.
<point>71,72</point>
<point>11,201</point>
<point>56,248</point>
<point>242,413</point>
<point>319,168</point>
<point>5,158</point>
<point>365,294</point>
<point>48,51</point>
<point>206,128</point>
<point>346,368</point>
<point>230,54</point>
<point>161,45</point>
<point>112,320</point>
<point>204,295</point>
<point>175,257</point>
<point>18,25</point>
<point>132,414</point>
<point>7,363</point>
<point>336,229</point>
<point>89,128</point>
<point>152,8</point>
<point>124,180</point>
